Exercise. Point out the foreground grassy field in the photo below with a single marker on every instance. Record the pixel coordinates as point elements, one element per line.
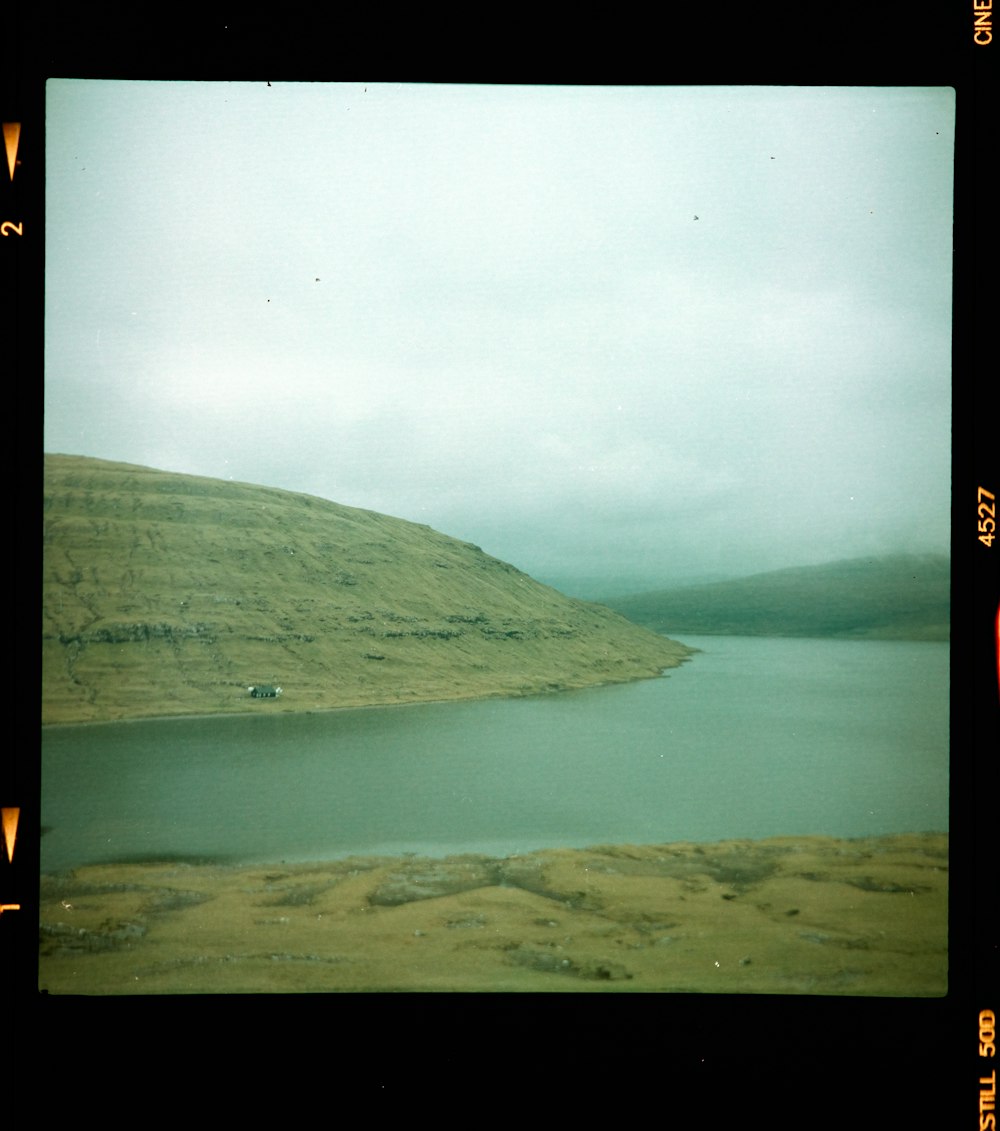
<point>814,915</point>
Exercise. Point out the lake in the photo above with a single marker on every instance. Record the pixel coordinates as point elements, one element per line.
<point>753,737</point>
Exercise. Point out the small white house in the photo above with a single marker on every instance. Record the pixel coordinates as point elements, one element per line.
<point>264,691</point>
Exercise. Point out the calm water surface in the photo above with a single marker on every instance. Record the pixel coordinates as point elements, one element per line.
<point>753,737</point>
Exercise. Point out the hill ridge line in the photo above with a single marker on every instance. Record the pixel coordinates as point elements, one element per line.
<point>166,594</point>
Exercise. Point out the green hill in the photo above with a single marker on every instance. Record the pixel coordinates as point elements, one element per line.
<point>169,594</point>
<point>899,597</point>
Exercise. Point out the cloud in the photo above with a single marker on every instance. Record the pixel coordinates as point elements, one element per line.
<point>492,309</point>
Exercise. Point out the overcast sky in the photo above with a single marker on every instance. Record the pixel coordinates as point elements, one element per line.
<point>616,335</point>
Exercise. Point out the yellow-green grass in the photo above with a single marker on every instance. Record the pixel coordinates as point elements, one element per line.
<point>809,915</point>
<point>167,594</point>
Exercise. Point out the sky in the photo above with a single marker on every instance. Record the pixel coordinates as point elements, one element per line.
<point>621,337</point>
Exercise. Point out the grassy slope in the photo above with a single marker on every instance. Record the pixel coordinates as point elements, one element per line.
<point>900,597</point>
<point>169,594</point>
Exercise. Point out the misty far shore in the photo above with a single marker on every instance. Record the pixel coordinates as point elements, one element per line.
<point>891,597</point>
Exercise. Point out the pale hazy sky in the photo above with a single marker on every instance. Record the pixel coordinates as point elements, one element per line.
<point>640,334</point>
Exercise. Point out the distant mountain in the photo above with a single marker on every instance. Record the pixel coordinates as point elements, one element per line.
<point>169,594</point>
<point>900,597</point>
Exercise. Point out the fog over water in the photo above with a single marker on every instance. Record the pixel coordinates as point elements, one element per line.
<point>639,335</point>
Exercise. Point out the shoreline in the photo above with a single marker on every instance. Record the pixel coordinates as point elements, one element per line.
<point>861,916</point>
<point>374,857</point>
<point>457,698</point>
